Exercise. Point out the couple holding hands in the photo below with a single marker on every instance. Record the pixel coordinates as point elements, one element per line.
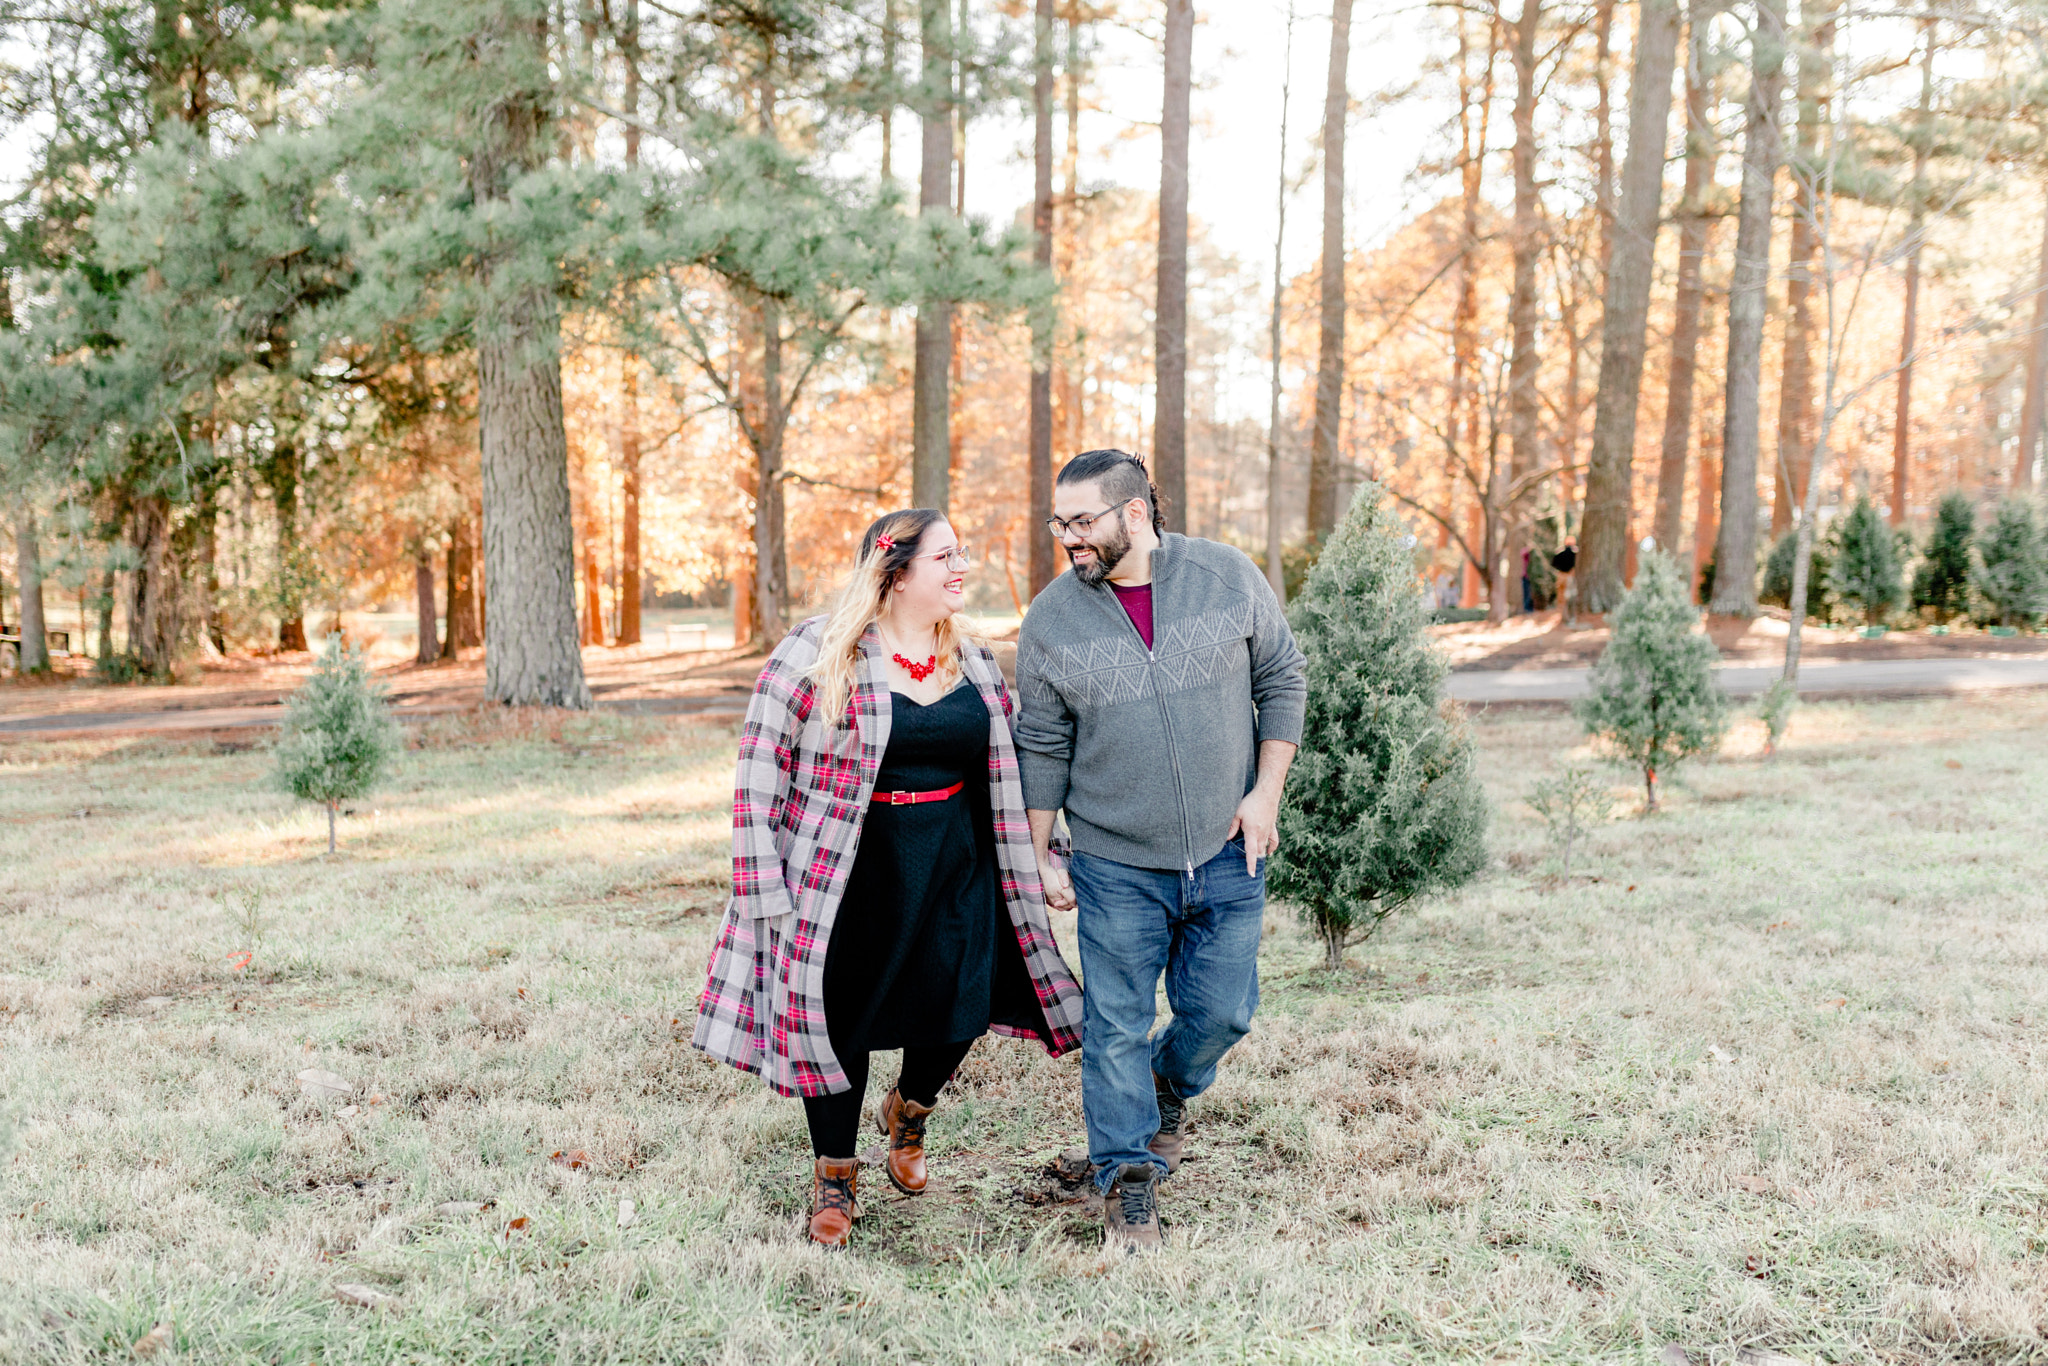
<point>893,822</point>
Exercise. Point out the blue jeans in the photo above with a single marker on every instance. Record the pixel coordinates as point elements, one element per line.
<point>1201,931</point>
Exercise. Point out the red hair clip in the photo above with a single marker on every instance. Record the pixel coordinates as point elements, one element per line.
<point>885,542</point>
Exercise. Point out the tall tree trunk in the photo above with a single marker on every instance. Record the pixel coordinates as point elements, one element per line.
<point>1170,313</point>
<point>1735,550</point>
<point>153,612</point>
<point>1523,362</point>
<point>464,615</point>
<point>592,625</point>
<point>931,446</point>
<point>2034,407</point>
<point>1610,477</point>
<point>1322,454</point>
<point>1909,325</point>
<point>281,472</point>
<point>206,516</point>
<point>1706,529</point>
<point>530,656</point>
<point>1275,565</point>
<point>1463,419</point>
<point>629,380</point>
<point>1073,417</point>
<point>1603,126</point>
<point>1041,561</point>
<point>889,103</point>
<point>771,574</point>
<point>1815,68</point>
<point>629,504</point>
<point>34,655</point>
<point>1701,152</point>
<point>427,644</point>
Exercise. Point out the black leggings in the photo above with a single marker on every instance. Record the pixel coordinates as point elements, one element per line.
<point>835,1118</point>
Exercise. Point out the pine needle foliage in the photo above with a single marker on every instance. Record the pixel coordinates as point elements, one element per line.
<point>1866,572</point>
<point>338,737</point>
<point>1654,699</point>
<point>1383,804</point>
<point>2013,574</point>
<point>1941,581</point>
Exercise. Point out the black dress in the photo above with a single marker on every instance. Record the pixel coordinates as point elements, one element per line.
<point>922,951</point>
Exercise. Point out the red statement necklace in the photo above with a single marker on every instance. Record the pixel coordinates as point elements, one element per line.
<point>918,672</point>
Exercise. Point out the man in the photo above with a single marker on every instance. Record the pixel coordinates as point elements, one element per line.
<point>1161,703</point>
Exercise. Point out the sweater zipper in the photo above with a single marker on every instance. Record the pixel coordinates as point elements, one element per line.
<point>1187,842</point>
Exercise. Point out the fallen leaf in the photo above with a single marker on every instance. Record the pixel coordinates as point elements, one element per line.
<point>375,1100</point>
<point>1800,1196</point>
<point>575,1159</point>
<point>522,1224</point>
<point>363,1296</point>
<point>458,1209</point>
<point>347,1111</point>
<point>1835,1004</point>
<point>1755,1185</point>
<point>154,1341</point>
<point>1674,1355</point>
<point>324,1085</point>
<point>628,1215</point>
<point>154,1002</point>
<point>1631,886</point>
<point>1719,1054</point>
<point>1752,1356</point>
<point>1755,1266</point>
<point>1952,763</point>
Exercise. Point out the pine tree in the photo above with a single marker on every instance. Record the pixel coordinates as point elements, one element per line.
<point>1942,579</point>
<point>1776,589</point>
<point>2012,574</point>
<point>1384,803</point>
<point>1654,699</point>
<point>1866,569</point>
<point>338,737</point>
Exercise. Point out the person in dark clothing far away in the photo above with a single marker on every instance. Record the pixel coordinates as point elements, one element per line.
<point>885,894</point>
<point>1564,562</point>
<point>1161,698</point>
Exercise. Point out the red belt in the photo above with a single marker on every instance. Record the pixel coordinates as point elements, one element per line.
<point>913,798</point>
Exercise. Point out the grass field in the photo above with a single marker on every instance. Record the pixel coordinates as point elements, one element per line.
<point>1767,1077</point>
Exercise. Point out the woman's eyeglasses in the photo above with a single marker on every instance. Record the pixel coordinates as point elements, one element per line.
<point>956,558</point>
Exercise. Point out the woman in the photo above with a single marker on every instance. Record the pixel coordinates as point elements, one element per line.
<point>885,894</point>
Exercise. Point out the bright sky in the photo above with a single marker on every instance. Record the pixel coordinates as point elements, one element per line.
<point>1241,57</point>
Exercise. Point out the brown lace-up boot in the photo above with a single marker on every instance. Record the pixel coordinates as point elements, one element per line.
<point>1173,1123</point>
<point>903,1121</point>
<point>832,1196</point>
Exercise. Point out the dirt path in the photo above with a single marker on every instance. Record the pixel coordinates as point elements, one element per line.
<point>240,694</point>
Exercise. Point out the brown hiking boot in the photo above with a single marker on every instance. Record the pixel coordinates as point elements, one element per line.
<point>903,1121</point>
<point>1130,1212</point>
<point>832,1196</point>
<point>1173,1123</point>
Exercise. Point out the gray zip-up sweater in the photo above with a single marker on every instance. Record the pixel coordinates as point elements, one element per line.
<point>1150,751</point>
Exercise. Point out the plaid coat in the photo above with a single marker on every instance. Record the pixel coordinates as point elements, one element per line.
<point>802,792</point>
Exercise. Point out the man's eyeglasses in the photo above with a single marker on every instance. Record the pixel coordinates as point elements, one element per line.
<point>1080,526</point>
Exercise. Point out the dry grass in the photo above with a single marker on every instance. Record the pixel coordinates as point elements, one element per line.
<point>1765,1077</point>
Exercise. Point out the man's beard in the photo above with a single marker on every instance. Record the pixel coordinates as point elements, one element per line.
<point>1107,557</point>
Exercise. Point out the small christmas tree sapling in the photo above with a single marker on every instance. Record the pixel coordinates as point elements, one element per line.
<point>1570,803</point>
<point>1941,582</point>
<point>1654,700</point>
<point>1774,709</point>
<point>1866,573</point>
<point>1383,804</point>
<point>338,737</point>
<point>2013,573</point>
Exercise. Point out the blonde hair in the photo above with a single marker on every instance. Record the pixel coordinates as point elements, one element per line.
<point>860,600</point>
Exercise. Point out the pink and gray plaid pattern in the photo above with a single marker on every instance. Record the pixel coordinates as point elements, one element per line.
<point>803,787</point>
